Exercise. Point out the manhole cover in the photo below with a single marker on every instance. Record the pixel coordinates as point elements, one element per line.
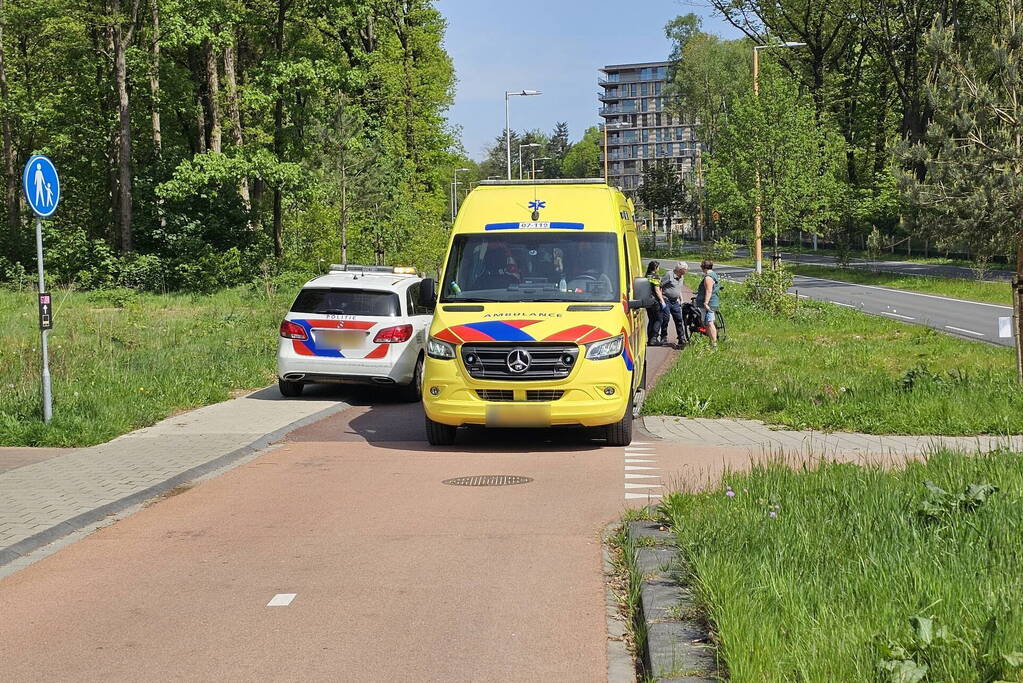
<point>487,480</point>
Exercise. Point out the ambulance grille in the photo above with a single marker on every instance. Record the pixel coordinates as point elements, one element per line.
<point>496,394</point>
<point>546,361</point>
<point>544,395</point>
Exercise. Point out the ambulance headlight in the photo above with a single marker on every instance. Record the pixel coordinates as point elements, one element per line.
<point>441,350</point>
<point>604,349</point>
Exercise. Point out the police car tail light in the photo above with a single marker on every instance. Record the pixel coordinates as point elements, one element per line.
<point>607,348</point>
<point>290,330</point>
<point>393,335</point>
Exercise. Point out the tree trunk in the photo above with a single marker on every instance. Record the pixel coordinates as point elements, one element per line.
<point>212,96</point>
<point>154,90</point>
<point>278,217</point>
<point>231,83</point>
<point>10,167</point>
<point>124,209</point>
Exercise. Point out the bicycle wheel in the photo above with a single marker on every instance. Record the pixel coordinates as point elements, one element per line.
<point>719,323</point>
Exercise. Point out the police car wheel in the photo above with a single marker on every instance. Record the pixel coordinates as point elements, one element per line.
<point>414,390</point>
<point>440,434</point>
<point>290,389</point>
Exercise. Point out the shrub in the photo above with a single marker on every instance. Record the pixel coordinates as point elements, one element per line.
<point>142,272</point>
<point>14,276</point>
<point>768,290</point>
<point>211,271</point>
<point>723,249</point>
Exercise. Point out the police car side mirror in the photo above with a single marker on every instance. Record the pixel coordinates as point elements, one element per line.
<point>428,293</point>
<point>642,293</point>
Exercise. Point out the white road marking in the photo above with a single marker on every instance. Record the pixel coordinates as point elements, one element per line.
<point>959,329</point>
<point>897,315</point>
<point>635,460</point>
<point>281,600</point>
<point>638,443</point>
<point>631,496</point>
<point>629,468</point>
<point>839,303</point>
<point>638,450</point>
<point>905,291</point>
<point>642,476</point>
<point>642,486</point>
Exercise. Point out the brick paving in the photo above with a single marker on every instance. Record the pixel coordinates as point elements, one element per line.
<point>53,494</point>
<point>756,436</point>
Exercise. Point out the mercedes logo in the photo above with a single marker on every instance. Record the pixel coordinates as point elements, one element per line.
<point>518,361</point>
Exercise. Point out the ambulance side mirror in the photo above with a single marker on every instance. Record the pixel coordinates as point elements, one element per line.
<point>642,294</point>
<point>428,294</point>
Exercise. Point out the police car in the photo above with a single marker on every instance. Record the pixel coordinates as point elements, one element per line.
<point>355,325</point>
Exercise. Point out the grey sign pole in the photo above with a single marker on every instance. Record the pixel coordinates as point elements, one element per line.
<point>47,396</point>
<point>41,185</point>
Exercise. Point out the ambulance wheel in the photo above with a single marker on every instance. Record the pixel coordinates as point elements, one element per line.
<point>413,391</point>
<point>290,389</point>
<point>439,434</point>
<point>620,433</point>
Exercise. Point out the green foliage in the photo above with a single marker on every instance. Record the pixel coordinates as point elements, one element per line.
<point>583,159</point>
<point>822,571</point>
<point>768,290</point>
<point>723,249</point>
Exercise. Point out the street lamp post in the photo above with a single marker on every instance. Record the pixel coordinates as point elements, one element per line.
<point>528,144</point>
<point>758,241</point>
<point>532,165</point>
<point>507,123</point>
<point>454,192</point>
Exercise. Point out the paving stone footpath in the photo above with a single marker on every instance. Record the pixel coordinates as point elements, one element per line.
<point>53,496</point>
<point>757,436</point>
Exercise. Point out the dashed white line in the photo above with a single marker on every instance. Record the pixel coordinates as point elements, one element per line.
<point>629,468</point>
<point>897,315</point>
<point>281,600</point>
<point>651,494</point>
<point>641,476</point>
<point>642,486</point>
<point>959,329</point>
<point>838,303</point>
<point>635,460</point>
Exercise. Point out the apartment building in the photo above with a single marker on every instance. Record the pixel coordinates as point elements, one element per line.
<point>638,127</point>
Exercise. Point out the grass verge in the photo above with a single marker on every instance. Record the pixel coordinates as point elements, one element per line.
<point>121,360</point>
<point>971,290</point>
<point>848,573</point>
<point>831,368</point>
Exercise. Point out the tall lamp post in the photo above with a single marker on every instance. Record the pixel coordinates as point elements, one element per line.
<point>528,144</point>
<point>454,192</point>
<point>758,240</point>
<point>532,165</point>
<point>507,123</point>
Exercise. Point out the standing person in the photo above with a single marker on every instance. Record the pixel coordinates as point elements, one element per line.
<point>658,311</point>
<point>707,299</point>
<point>672,286</point>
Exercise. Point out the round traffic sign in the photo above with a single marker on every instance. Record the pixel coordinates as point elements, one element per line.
<point>41,185</point>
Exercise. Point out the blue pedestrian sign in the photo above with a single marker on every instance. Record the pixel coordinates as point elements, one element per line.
<point>41,185</point>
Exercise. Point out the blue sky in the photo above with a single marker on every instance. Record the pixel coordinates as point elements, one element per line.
<point>551,45</point>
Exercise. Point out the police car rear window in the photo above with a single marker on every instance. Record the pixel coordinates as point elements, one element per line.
<point>346,302</point>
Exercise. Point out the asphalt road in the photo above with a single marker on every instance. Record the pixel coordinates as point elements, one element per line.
<point>972,320</point>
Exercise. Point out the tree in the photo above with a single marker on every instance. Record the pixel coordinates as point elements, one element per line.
<point>664,192</point>
<point>583,159</point>
<point>972,153</point>
<point>776,136</point>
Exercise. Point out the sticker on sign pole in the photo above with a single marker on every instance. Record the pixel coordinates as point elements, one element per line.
<point>41,185</point>
<point>45,311</point>
<point>1005,327</point>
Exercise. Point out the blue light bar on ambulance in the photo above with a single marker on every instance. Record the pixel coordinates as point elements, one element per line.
<point>552,225</point>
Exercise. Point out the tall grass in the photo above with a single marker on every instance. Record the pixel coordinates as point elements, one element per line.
<point>122,360</point>
<point>848,573</point>
<point>831,368</point>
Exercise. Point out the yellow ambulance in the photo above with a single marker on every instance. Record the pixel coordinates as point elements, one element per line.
<point>538,315</point>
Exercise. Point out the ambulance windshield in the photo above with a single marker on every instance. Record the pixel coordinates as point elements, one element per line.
<point>532,266</point>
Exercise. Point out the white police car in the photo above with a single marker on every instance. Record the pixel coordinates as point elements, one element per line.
<point>355,325</point>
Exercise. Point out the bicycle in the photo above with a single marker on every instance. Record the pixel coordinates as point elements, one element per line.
<point>692,317</point>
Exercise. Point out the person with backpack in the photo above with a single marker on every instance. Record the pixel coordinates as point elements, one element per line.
<point>707,299</point>
<point>659,309</point>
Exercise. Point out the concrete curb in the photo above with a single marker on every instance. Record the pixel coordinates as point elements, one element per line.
<point>677,643</point>
<point>73,524</point>
<point>620,667</point>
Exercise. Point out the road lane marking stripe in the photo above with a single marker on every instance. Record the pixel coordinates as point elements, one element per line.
<point>905,291</point>
<point>959,329</point>
<point>896,315</point>
<point>651,494</point>
<point>838,303</point>
<point>281,600</point>
<point>639,467</point>
<point>635,460</point>
<point>639,443</point>
<point>642,476</point>
<point>642,486</point>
